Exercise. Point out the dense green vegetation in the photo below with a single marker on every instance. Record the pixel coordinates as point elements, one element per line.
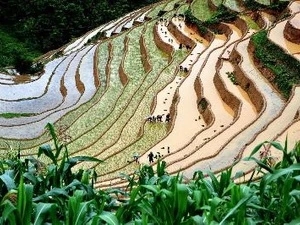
<point>275,5</point>
<point>201,10</point>
<point>285,67</point>
<point>13,51</point>
<point>222,14</point>
<point>35,27</point>
<point>32,192</point>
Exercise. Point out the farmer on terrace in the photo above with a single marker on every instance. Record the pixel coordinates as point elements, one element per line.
<point>168,118</point>
<point>150,156</point>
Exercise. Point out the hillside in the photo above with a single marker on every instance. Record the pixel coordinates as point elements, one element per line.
<point>226,75</point>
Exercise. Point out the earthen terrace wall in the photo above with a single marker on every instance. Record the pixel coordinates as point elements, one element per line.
<point>241,25</point>
<point>122,74</point>
<point>208,36</point>
<point>231,100</point>
<point>245,83</point>
<point>206,112</point>
<point>211,5</point>
<point>144,55</point>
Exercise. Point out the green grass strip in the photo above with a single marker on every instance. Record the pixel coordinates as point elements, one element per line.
<point>251,24</point>
<point>182,9</point>
<point>201,10</point>
<point>263,2</point>
<point>95,109</point>
<point>15,115</point>
<point>170,5</point>
<point>134,81</point>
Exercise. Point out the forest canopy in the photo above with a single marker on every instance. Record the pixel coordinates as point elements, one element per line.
<point>43,25</point>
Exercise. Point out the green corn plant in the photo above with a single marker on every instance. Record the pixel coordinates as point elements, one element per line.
<point>46,213</point>
<point>59,172</point>
<point>78,211</point>
<point>18,209</point>
<point>277,188</point>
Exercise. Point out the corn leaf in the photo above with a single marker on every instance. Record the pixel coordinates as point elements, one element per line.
<point>24,202</point>
<point>281,172</point>
<point>43,210</point>
<point>242,202</point>
<point>109,218</point>
<point>47,150</point>
<point>8,211</point>
<point>8,180</point>
<point>294,222</point>
<point>181,195</point>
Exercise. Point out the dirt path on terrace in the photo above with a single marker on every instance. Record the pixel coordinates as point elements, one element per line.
<point>276,35</point>
<point>247,116</point>
<point>223,114</point>
<point>187,120</point>
<point>182,125</point>
<point>269,19</point>
<point>165,97</point>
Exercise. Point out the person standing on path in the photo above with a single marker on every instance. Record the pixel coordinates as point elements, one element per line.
<point>150,156</point>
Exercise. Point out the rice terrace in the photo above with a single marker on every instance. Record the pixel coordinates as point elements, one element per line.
<point>197,84</point>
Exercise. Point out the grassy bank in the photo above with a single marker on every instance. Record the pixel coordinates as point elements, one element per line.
<point>285,67</point>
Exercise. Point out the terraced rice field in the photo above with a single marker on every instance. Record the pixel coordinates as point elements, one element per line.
<point>212,103</point>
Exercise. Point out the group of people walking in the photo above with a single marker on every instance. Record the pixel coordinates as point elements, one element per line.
<point>159,118</point>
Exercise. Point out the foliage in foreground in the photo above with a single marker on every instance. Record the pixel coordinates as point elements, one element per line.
<point>34,193</point>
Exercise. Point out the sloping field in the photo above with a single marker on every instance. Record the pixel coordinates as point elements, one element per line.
<point>159,87</point>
